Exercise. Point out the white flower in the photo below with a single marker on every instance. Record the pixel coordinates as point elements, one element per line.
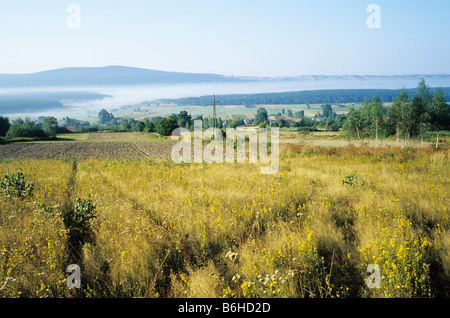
<point>231,255</point>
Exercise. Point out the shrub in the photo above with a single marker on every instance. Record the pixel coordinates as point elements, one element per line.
<point>78,223</point>
<point>351,179</point>
<point>79,218</point>
<point>15,185</point>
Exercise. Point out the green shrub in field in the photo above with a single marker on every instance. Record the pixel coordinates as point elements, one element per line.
<point>15,185</point>
<point>351,179</point>
<point>77,220</point>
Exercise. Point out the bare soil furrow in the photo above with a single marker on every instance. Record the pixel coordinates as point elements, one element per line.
<point>87,150</point>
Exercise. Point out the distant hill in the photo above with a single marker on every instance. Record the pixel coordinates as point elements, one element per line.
<point>108,75</point>
<point>32,102</point>
<point>123,75</point>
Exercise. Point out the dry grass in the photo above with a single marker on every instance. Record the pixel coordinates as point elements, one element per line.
<point>225,230</point>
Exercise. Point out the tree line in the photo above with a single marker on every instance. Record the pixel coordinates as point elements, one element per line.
<point>408,117</point>
<point>333,96</point>
<point>161,125</point>
<point>48,128</point>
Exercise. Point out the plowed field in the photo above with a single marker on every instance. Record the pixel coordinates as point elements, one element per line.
<point>87,150</point>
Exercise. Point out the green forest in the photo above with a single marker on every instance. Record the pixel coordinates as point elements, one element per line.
<point>337,96</point>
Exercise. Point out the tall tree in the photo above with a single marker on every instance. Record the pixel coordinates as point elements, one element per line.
<point>366,117</point>
<point>105,117</point>
<point>4,125</point>
<point>377,111</point>
<point>327,111</point>
<point>124,124</point>
<point>166,126</point>
<point>354,122</point>
<point>261,116</point>
<point>50,126</point>
<point>439,113</point>
<point>184,119</point>
<point>397,113</point>
<point>149,125</point>
<point>418,110</point>
<point>139,126</point>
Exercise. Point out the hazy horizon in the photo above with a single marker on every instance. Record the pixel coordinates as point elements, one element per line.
<point>228,75</point>
<point>125,96</point>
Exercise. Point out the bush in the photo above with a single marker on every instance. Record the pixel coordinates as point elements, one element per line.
<point>15,185</point>
<point>78,220</point>
<point>352,179</point>
<point>306,129</point>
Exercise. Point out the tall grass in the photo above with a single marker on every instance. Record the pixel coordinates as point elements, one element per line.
<point>225,230</point>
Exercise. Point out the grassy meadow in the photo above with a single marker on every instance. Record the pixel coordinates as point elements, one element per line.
<point>152,228</point>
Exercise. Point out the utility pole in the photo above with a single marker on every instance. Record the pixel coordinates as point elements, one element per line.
<point>214,116</point>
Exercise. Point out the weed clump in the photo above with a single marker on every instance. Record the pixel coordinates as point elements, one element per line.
<point>15,185</point>
<point>352,179</point>
<point>77,222</point>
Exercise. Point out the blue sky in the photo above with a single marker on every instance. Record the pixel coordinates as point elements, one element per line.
<point>231,37</point>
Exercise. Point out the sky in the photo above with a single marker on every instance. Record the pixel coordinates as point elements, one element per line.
<point>229,37</point>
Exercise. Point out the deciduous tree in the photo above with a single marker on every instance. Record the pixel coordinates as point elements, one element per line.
<point>50,126</point>
<point>439,113</point>
<point>261,116</point>
<point>4,125</point>
<point>166,126</point>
